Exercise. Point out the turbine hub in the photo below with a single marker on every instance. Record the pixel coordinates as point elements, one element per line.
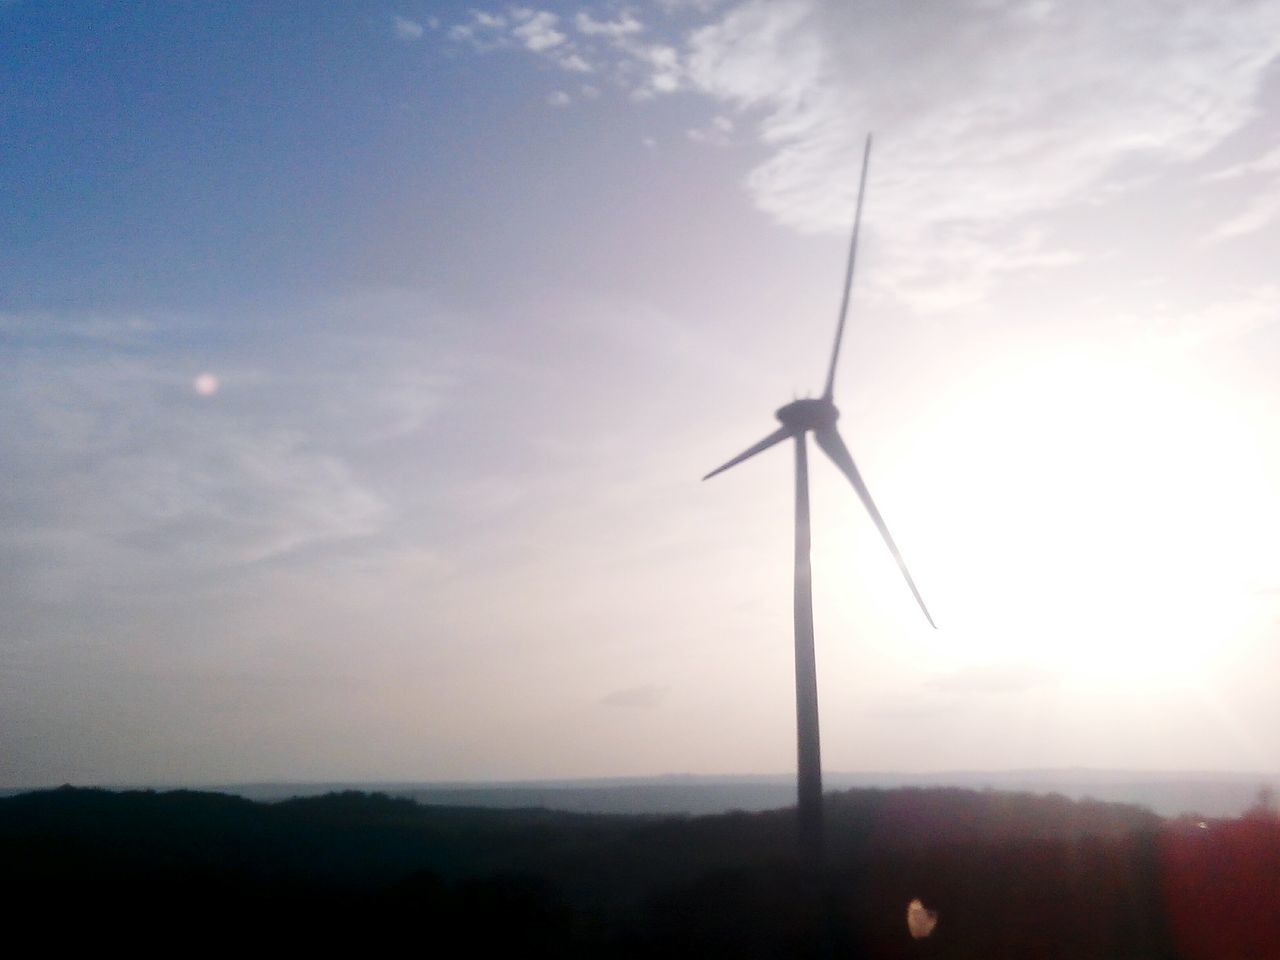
<point>808,414</point>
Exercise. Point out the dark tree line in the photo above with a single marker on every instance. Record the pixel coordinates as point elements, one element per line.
<point>1010,875</point>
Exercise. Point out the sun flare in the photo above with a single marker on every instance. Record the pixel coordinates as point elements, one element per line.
<point>1078,522</point>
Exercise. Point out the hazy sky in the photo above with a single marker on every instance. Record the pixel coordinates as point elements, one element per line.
<point>358,364</point>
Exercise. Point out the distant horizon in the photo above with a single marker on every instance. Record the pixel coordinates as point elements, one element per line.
<point>1196,773</point>
<point>1167,793</point>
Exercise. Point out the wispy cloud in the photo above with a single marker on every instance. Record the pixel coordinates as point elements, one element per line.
<point>51,330</point>
<point>536,32</point>
<point>625,25</point>
<point>407,29</point>
<point>717,133</point>
<point>482,31</point>
<point>1183,328</point>
<point>537,29</point>
<point>123,471</point>
<point>987,114</point>
<point>1260,211</point>
<point>1269,162</point>
<point>989,117</point>
<point>642,69</point>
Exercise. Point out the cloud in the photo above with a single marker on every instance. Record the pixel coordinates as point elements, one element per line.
<point>521,28</point>
<point>558,99</point>
<point>129,481</point>
<point>407,29</point>
<point>698,6</point>
<point>1269,162</point>
<point>50,330</point>
<point>574,63</point>
<point>667,70</point>
<point>716,133</point>
<point>986,114</point>
<point>1230,318</point>
<point>624,26</point>
<point>644,70</point>
<point>649,695</point>
<point>1261,210</point>
<point>121,474</point>
<point>483,32</point>
<point>966,92</point>
<point>537,30</point>
<point>991,118</point>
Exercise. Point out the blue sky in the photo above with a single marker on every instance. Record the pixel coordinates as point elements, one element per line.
<point>361,361</point>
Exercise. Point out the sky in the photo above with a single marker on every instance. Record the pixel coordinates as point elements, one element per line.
<point>360,363</point>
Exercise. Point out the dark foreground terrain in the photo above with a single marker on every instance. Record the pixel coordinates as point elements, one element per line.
<point>1010,875</point>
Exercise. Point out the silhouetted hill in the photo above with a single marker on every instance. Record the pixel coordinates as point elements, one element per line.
<point>1012,875</point>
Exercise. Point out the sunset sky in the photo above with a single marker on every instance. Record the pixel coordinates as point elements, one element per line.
<point>359,364</point>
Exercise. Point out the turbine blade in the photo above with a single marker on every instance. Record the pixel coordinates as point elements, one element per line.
<point>829,440</point>
<point>848,273</point>
<point>776,437</point>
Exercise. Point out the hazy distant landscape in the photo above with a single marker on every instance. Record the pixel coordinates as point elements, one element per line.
<point>1168,794</point>
<point>1171,794</point>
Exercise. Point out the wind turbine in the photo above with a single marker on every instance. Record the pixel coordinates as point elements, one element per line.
<point>798,419</point>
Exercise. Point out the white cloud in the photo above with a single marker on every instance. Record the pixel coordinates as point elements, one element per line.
<point>525,29</point>
<point>407,29</point>
<point>625,25</point>
<point>1262,209</point>
<point>665,70</point>
<point>105,331</point>
<point>131,484</point>
<point>120,475</point>
<point>574,63</point>
<point>1269,162</point>
<point>698,6</point>
<point>989,117</point>
<point>537,30</point>
<point>985,114</point>
<point>642,70</point>
<point>483,32</point>
<point>1183,328</point>
<point>559,99</point>
<point>1262,206</point>
<point>717,133</point>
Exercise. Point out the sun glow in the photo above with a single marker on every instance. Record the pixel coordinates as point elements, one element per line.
<point>1090,515</point>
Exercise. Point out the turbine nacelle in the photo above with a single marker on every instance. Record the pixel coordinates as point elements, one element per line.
<point>801,416</point>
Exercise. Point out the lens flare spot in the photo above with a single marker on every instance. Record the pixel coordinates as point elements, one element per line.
<point>920,922</point>
<point>206,384</point>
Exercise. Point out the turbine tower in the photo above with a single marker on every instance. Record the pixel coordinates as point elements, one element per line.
<point>798,419</point>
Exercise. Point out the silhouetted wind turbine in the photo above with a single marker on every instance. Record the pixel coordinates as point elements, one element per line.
<point>798,419</point>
